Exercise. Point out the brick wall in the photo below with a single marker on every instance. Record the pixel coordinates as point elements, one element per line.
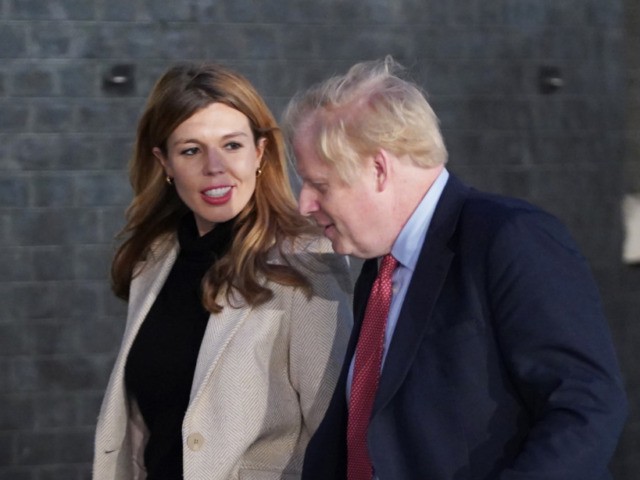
<point>65,140</point>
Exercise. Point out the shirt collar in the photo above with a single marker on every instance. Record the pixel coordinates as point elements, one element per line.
<point>407,246</point>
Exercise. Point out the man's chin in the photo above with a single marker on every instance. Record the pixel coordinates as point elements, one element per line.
<point>339,247</point>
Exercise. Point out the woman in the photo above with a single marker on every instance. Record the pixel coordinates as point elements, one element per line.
<point>238,314</point>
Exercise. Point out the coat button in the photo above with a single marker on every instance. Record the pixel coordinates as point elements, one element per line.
<point>195,441</point>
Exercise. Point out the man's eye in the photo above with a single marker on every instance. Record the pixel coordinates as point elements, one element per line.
<point>320,187</point>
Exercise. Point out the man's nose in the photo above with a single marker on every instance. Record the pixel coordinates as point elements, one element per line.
<point>307,202</point>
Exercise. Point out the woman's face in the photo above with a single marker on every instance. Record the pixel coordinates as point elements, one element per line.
<point>212,158</point>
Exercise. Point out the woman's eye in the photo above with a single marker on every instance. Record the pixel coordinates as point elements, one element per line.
<point>232,146</point>
<point>189,151</point>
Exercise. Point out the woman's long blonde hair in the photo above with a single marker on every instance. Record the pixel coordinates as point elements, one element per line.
<point>269,218</point>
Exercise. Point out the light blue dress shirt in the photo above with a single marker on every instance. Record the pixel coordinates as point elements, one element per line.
<point>406,250</point>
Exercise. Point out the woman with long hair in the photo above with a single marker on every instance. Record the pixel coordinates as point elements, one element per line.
<point>238,311</point>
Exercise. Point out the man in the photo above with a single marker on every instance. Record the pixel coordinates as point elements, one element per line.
<point>495,360</point>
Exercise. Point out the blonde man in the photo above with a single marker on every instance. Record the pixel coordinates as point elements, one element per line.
<point>495,359</point>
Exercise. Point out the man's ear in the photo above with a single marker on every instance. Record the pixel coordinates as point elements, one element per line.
<point>382,165</point>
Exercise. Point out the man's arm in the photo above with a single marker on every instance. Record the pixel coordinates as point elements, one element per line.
<point>557,346</point>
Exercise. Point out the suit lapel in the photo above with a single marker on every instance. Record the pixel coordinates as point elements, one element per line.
<point>427,281</point>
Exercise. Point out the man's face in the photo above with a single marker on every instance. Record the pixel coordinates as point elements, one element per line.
<point>345,211</point>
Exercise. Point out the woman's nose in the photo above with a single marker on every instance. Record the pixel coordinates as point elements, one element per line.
<point>214,162</point>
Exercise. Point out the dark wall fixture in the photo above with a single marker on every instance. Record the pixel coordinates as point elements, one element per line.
<point>549,79</point>
<point>119,80</point>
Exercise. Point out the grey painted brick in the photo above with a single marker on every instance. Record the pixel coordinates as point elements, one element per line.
<point>15,115</point>
<point>183,42</point>
<point>5,299</point>
<point>101,337</point>
<point>492,13</point>
<point>89,403</point>
<point>53,40</point>
<point>111,152</point>
<point>464,12</point>
<point>13,191</point>
<point>85,471</point>
<point>114,307</point>
<point>77,79</point>
<point>6,451</point>
<point>112,222</point>
<point>17,412</point>
<point>60,373</point>
<point>61,411</point>
<point>44,448</point>
<point>164,11</point>
<point>55,338</point>
<point>54,300</point>
<point>92,262</point>
<point>129,41</point>
<point>52,115</point>
<point>602,15</point>
<point>526,13</point>
<point>114,10</point>
<point>76,446</point>
<point>13,38</point>
<point>103,189</point>
<point>261,41</point>
<point>58,472</point>
<point>15,264</point>
<point>23,152</point>
<point>106,115</point>
<point>244,11</point>
<point>53,190</point>
<point>14,340</point>
<point>6,377</point>
<point>79,152</point>
<point>51,9</point>
<point>54,226</point>
<point>16,473</point>
<point>204,11</point>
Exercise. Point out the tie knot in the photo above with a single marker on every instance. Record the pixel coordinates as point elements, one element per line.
<point>387,266</point>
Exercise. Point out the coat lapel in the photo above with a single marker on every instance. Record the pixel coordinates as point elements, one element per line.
<point>427,281</point>
<point>220,330</point>
<point>144,290</point>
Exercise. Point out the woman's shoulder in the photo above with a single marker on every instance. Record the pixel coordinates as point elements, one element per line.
<point>304,249</point>
<point>313,256</point>
<point>160,250</point>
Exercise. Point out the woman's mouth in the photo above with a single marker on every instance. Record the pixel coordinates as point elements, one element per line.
<point>217,195</point>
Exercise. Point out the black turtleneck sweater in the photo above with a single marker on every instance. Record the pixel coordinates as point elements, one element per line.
<point>162,360</point>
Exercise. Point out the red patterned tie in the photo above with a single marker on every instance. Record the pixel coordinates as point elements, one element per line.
<point>366,372</point>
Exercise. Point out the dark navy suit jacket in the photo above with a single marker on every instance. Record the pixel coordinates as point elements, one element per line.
<point>501,365</point>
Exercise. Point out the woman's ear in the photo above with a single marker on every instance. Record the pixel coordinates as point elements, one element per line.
<point>160,156</point>
<point>261,145</point>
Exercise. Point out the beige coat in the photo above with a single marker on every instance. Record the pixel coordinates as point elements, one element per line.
<point>262,383</point>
